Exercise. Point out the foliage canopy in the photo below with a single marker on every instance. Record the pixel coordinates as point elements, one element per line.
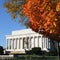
<point>44,15</point>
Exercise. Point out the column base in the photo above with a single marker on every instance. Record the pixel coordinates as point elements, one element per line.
<point>17,51</point>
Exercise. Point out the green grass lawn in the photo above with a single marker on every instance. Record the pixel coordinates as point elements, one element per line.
<point>33,57</point>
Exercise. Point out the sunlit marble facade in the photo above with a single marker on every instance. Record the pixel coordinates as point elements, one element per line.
<point>26,39</point>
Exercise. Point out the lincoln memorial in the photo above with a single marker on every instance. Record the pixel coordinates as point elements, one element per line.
<point>26,39</point>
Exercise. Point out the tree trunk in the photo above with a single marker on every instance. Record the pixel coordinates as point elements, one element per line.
<point>58,50</point>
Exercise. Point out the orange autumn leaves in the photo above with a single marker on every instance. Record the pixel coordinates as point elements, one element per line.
<point>58,7</point>
<point>42,17</point>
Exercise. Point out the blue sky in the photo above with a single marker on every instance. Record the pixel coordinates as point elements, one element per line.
<point>6,24</point>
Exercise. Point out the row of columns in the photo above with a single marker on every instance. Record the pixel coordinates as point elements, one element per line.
<point>28,42</point>
<point>46,42</point>
<point>14,43</point>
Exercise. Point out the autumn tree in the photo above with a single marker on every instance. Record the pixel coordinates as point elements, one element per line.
<point>43,15</point>
<point>14,7</point>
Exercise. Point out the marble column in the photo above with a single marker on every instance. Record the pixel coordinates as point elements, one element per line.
<point>6,43</point>
<point>46,43</point>
<point>12,43</point>
<point>21,43</point>
<point>43,42</point>
<point>49,44</point>
<point>17,43</point>
<point>40,42</point>
<point>9,45</point>
<point>36,41</point>
<point>32,42</point>
<point>25,43</point>
<point>29,43</point>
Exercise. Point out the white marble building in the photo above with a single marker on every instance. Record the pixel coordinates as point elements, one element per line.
<point>26,39</point>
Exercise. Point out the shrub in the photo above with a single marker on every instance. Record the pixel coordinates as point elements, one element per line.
<point>35,50</point>
<point>1,50</point>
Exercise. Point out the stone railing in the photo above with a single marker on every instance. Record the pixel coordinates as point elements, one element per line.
<point>6,56</point>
